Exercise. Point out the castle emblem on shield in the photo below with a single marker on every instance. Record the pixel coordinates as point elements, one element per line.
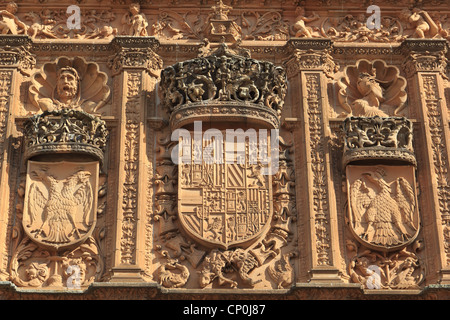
<point>224,204</point>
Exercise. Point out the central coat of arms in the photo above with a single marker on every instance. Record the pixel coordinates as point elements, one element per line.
<point>224,204</point>
<point>60,202</point>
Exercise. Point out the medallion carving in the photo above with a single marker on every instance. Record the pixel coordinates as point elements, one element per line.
<point>69,83</point>
<point>370,89</point>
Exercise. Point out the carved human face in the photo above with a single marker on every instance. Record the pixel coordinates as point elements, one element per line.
<point>67,86</point>
<point>11,7</point>
<point>135,8</point>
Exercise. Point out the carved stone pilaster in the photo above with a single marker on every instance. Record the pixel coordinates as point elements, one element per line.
<point>308,68</point>
<point>425,65</point>
<point>15,62</point>
<point>135,68</point>
<point>426,55</point>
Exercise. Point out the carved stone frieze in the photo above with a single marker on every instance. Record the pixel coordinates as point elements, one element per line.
<point>387,270</point>
<point>34,267</point>
<point>354,207</point>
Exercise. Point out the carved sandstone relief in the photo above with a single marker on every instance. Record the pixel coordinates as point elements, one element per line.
<point>223,224</point>
<point>60,203</point>
<point>383,215</point>
<point>69,83</point>
<point>383,210</point>
<point>370,89</point>
<point>56,239</point>
<point>221,21</point>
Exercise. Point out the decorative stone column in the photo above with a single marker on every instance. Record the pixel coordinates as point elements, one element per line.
<point>424,67</point>
<point>15,63</point>
<point>136,68</point>
<point>307,67</point>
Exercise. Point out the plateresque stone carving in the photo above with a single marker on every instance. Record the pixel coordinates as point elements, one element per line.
<point>65,131</point>
<point>60,202</point>
<point>69,84</point>
<point>370,89</point>
<point>223,83</point>
<point>376,138</point>
<point>382,205</point>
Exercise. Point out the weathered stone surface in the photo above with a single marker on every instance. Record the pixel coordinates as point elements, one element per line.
<point>224,150</point>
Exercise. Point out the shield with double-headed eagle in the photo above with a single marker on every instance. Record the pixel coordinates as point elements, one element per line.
<point>382,209</point>
<point>60,202</point>
<point>222,203</point>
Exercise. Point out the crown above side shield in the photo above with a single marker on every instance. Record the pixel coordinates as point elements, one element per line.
<point>379,139</point>
<point>65,131</point>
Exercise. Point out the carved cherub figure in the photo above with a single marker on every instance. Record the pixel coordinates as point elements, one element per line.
<point>300,29</point>
<point>9,23</point>
<point>135,21</point>
<point>41,25</point>
<point>421,22</point>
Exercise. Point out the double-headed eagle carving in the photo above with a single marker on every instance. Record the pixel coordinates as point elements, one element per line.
<point>382,213</point>
<point>55,213</point>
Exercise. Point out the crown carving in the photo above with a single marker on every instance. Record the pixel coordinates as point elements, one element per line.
<point>223,86</point>
<point>65,131</point>
<point>378,138</point>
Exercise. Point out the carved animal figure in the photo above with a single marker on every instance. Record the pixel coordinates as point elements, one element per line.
<point>282,272</point>
<point>387,210</point>
<point>213,267</point>
<point>59,209</point>
<point>244,262</point>
<point>215,228</point>
<point>171,279</point>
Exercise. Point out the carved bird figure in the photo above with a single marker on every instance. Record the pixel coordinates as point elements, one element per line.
<point>59,209</point>
<point>382,212</point>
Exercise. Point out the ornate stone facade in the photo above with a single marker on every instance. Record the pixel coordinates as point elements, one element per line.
<point>281,149</point>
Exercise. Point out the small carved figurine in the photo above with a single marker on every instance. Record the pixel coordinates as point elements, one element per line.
<point>9,23</point>
<point>135,22</point>
<point>300,28</point>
